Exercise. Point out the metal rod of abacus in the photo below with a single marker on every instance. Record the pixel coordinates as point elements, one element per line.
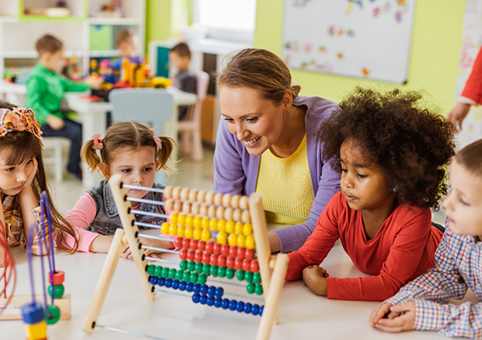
<point>160,249</point>
<point>147,213</point>
<point>148,225</point>
<point>143,200</point>
<point>156,237</point>
<point>160,260</point>
<point>128,332</point>
<point>128,186</point>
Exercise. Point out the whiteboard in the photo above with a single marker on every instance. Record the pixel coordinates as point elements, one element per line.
<point>356,38</point>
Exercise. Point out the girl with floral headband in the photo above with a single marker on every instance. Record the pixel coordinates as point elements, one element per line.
<point>22,179</point>
<point>133,151</point>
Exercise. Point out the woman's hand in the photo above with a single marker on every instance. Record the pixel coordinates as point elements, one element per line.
<point>315,278</point>
<point>401,318</point>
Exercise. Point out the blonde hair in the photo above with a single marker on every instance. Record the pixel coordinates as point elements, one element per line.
<point>126,135</point>
<point>127,36</point>
<point>261,70</point>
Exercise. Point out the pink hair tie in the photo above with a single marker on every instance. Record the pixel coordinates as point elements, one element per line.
<point>98,143</point>
<point>156,139</point>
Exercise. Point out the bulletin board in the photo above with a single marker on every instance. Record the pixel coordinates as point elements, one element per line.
<point>356,38</point>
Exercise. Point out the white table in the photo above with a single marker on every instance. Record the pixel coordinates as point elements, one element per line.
<point>302,314</point>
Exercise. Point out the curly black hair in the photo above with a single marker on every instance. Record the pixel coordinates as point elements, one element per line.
<point>412,145</point>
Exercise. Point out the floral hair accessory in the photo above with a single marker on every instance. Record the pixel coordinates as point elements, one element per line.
<point>19,119</point>
<point>98,142</point>
<point>156,139</point>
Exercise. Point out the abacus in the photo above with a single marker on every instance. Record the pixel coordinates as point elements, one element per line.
<point>240,249</point>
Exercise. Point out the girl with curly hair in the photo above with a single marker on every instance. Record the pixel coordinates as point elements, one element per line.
<point>393,155</point>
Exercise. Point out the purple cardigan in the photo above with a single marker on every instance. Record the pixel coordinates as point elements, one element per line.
<point>236,171</point>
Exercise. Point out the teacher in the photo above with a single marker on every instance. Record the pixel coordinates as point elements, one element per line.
<point>266,143</point>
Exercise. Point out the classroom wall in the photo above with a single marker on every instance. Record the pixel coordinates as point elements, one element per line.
<point>434,60</point>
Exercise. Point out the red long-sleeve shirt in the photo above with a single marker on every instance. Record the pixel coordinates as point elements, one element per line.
<point>402,250</point>
<point>473,86</point>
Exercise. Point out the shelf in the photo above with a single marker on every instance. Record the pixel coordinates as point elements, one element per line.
<point>8,18</point>
<point>114,21</point>
<point>110,53</point>
<point>33,54</point>
<point>49,19</point>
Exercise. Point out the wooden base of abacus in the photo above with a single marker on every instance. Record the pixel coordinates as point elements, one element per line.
<point>13,310</point>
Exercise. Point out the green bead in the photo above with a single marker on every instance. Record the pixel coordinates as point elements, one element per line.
<point>190,265</point>
<point>54,314</point>
<point>248,276</point>
<point>250,288</point>
<point>57,291</point>
<point>257,277</point>
<point>157,271</point>
<point>150,269</point>
<point>179,274</point>
<point>222,271</point>
<point>201,279</point>
<point>165,272</point>
<point>193,278</point>
<point>229,273</point>
<point>258,289</point>
<point>183,265</point>
<point>206,269</point>
<point>198,268</point>
<point>214,271</point>
<point>172,273</point>
<point>185,276</point>
<point>240,275</point>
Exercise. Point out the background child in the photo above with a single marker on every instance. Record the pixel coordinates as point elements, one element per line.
<point>421,303</point>
<point>132,150</point>
<point>126,43</point>
<point>22,178</point>
<point>185,79</point>
<point>45,90</point>
<point>392,156</point>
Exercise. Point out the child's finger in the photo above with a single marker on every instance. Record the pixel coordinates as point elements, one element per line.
<point>393,315</point>
<point>379,313</point>
<point>402,307</point>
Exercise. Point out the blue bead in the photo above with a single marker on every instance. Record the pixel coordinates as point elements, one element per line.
<point>261,308</point>
<point>217,302</point>
<point>225,304</point>
<point>203,289</point>
<point>153,280</point>
<point>175,284</point>
<point>182,285</point>
<point>232,304</point>
<point>202,299</point>
<point>255,309</point>
<point>189,287</point>
<point>211,290</point>
<point>32,313</point>
<point>219,292</point>
<point>168,283</point>
<point>240,306</point>
<point>160,281</point>
<point>247,308</point>
<point>196,287</point>
<point>195,298</point>
<point>210,301</point>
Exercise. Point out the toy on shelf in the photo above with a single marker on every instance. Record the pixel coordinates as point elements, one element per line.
<point>240,250</point>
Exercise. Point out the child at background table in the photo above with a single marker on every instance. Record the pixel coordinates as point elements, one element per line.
<point>421,304</point>
<point>45,90</point>
<point>392,154</point>
<point>22,179</point>
<point>133,151</point>
<point>126,43</point>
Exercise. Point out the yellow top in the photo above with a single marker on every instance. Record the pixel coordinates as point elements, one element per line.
<point>285,185</point>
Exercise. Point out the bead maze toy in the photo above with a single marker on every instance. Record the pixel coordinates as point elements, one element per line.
<point>239,249</point>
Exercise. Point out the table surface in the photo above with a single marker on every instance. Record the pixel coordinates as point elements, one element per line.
<point>302,314</point>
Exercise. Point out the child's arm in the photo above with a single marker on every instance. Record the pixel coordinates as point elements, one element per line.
<point>71,86</point>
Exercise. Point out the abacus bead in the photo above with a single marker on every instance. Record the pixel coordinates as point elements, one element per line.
<point>203,289</point>
<point>202,299</point>
<point>255,309</point>
<point>240,275</point>
<point>258,289</point>
<point>153,280</point>
<point>169,204</point>
<point>247,229</point>
<point>232,239</point>
<point>225,249</point>
<point>180,231</point>
<point>250,244</point>
<point>188,232</point>
<point>173,230</point>
<point>158,269</point>
<point>175,192</point>
<point>225,303</point>
<point>197,234</point>
<point>218,292</point>
<point>186,208</point>
<point>190,265</point>
<point>221,238</point>
<point>247,308</point>
<point>197,222</point>
<point>172,273</point>
<point>245,217</point>
<point>213,260</point>
<point>178,206</point>
<point>203,210</point>
<point>201,196</point>
<point>173,218</point>
<point>205,258</point>
<point>260,311</point>
<point>221,260</point>
<point>212,211</point>
<point>209,198</point>
<point>248,276</point>
<point>167,192</point>
<point>202,279</point>
<point>196,288</point>
<point>178,242</point>
<point>237,214</point>
<point>195,208</point>
<point>220,212</point>
<point>193,195</point>
<point>228,214</point>
<point>244,202</point>
<point>165,228</point>
<point>240,306</point>
<point>205,223</point>
<point>217,302</point>
<point>183,254</point>
<point>206,235</point>
<point>232,251</point>
<point>238,263</point>
<point>240,252</point>
<point>229,273</point>
<point>195,298</point>
<point>189,220</point>
<point>216,248</point>
<point>230,226</point>
<point>150,270</point>
<point>190,255</point>
<point>200,245</point>
<point>235,201</point>
<point>184,194</point>
<point>165,272</point>
<point>192,244</point>
<point>210,301</point>
<point>181,219</point>
<point>189,286</point>
<point>179,274</point>
<point>213,271</point>
<point>232,304</point>
<point>241,242</point>
<point>238,228</point>
<point>185,243</point>
<point>226,201</point>
<point>221,225</point>
<point>182,285</point>
<point>209,247</point>
<point>230,262</point>
<point>257,277</point>
<point>213,224</point>
<point>168,283</point>
<point>206,269</point>
<point>58,277</point>
<point>250,288</point>
<point>254,266</point>
<point>161,281</point>
<point>249,254</point>
<point>198,256</point>
<point>186,276</point>
<point>198,267</point>
<point>221,271</point>
<point>175,284</point>
<point>246,265</point>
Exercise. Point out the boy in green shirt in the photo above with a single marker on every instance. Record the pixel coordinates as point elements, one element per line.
<point>45,90</point>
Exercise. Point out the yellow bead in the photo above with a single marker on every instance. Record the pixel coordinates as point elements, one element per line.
<point>247,229</point>
<point>205,223</point>
<point>197,221</point>
<point>221,238</point>
<point>188,232</point>
<point>189,220</point>
<point>196,234</point>
<point>37,331</point>
<point>173,229</point>
<point>180,231</point>
<point>181,219</point>
<point>173,218</point>
<point>230,227</point>
<point>250,244</point>
<point>241,240</point>
<point>233,239</point>
<point>222,225</point>
<point>238,228</point>
<point>165,228</point>
<point>213,224</point>
<point>206,235</point>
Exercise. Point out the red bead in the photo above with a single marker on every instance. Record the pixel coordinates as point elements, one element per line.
<point>249,254</point>
<point>225,249</point>
<point>178,242</point>
<point>254,266</point>
<point>216,248</point>
<point>200,245</point>
<point>246,264</point>
<point>190,255</point>
<point>198,256</point>
<point>232,251</point>
<point>205,258</point>
<point>183,254</point>
<point>209,247</point>
<point>58,276</point>
<point>213,259</point>
<point>238,264</point>
<point>185,243</point>
<point>221,261</point>
<point>241,252</point>
<point>230,262</point>
<point>193,244</point>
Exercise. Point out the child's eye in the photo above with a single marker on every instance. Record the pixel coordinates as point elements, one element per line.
<point>464,202</point>
<point>10,169</point>
<point>343,170</point>
<point>361,176</point>
<point>126,171</point>
<point>148,169</point>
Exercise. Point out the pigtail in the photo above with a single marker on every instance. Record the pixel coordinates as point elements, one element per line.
<point>90,156</point>
<point>163,154</point>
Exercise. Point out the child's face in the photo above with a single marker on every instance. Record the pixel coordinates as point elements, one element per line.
<point>13,177</point>
<point>126,50</point>
<point>53,61</point>
<point>362,182</point>
<point>136,166</point>
<point>463,206</point>
<point>180,63</point>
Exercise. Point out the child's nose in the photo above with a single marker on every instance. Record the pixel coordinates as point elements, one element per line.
<point>447,203</point>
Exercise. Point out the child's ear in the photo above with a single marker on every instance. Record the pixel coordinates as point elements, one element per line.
<point>105,170</point>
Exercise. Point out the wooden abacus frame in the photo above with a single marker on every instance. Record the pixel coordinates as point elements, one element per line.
<point>272,268</point>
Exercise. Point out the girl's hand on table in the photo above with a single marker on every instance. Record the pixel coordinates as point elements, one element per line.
<point>315,278</point>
